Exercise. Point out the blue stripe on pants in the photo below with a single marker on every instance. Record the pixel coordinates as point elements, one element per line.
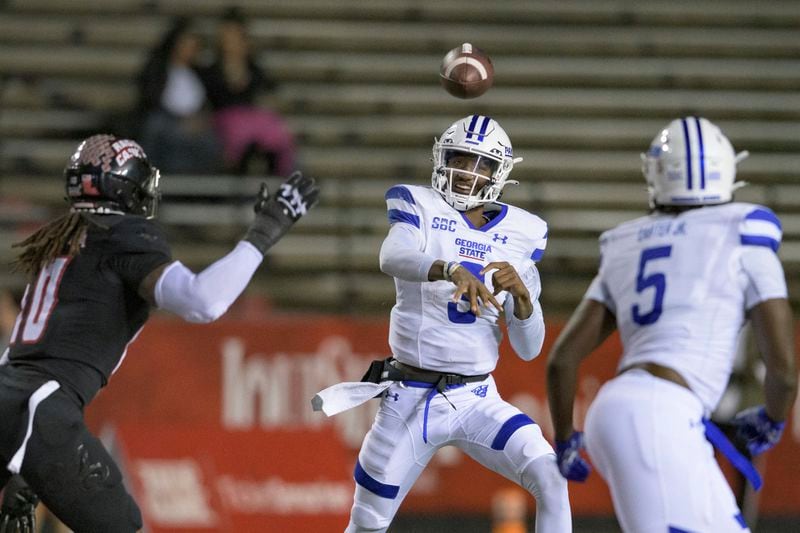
<point>373,485</point>
<point>509,427</point>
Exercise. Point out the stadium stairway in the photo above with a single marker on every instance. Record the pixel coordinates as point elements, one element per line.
<point>581,87</point>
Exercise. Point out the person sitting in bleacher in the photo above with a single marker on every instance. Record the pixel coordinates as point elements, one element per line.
<point>177,132</point>
<point>233,83</point>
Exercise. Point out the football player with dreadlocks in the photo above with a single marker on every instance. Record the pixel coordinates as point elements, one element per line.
<point>679,285</point>
<point>462,262</point>
<point>95,274</point>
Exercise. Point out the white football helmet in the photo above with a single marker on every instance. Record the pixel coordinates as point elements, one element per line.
<point>691,162</point>
<point>477,135</point>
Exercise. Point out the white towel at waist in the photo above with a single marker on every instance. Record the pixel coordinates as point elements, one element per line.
<point>346,395</point>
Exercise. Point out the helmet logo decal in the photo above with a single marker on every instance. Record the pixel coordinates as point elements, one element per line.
<point>471,129</point>
<point>96,151</point>
<point>127,149</point>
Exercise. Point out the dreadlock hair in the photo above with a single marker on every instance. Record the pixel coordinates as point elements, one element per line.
<point>63,235</point>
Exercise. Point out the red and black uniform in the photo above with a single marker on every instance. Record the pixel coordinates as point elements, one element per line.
<point>77,320</point>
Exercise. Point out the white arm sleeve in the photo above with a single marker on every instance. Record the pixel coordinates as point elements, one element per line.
<point>204,297</point>
<point>765,277</point>
<point>401,256</point>
<point>526,336</point>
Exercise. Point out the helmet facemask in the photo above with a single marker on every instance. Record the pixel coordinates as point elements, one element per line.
<point>484,143</point>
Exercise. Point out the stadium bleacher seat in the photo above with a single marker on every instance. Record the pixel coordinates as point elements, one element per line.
<point>581,87</point>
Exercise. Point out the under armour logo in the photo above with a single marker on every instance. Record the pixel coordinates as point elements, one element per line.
<point>480,390</point>
<point>500,238</point>
<point>393,395</point>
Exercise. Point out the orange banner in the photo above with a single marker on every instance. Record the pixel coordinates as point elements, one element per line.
<point>230,402</point>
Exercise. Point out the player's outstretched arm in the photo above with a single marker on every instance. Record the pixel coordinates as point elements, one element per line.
<point>587,328</point>
<point>204,297</point>
<point>762,427</point>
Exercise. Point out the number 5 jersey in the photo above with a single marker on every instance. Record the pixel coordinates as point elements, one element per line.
<point>675,281</point>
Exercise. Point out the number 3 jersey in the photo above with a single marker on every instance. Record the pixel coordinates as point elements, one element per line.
<point>79,315</point>
<point>427,329</point>
<point>680,286</point>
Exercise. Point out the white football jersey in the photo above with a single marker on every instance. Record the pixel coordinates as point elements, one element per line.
<point>680,286</point>
<point>429,330</point>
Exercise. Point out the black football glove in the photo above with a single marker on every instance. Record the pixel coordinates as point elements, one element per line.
<point>18,510</point>
<point>276,214</point>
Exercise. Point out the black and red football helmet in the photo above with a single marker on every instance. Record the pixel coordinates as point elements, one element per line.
<point>109,175</point>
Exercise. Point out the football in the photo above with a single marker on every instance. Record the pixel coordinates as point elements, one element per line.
<point>466,71</point>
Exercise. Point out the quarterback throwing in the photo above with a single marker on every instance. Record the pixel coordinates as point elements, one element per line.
<point>462,261</point>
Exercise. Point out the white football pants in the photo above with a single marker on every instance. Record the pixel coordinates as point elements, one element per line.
<point>646,437</point>
<point>483,425</point>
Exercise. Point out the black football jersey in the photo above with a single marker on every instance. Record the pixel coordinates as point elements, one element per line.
<point>80,314</point>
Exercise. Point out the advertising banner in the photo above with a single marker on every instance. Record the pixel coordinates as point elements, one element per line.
<point>202,478</point>
<point>214,426</point>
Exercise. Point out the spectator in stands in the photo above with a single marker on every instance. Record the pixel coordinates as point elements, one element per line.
<point>95,274</point>
<point>177,131</point>
<point>234,82</point>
